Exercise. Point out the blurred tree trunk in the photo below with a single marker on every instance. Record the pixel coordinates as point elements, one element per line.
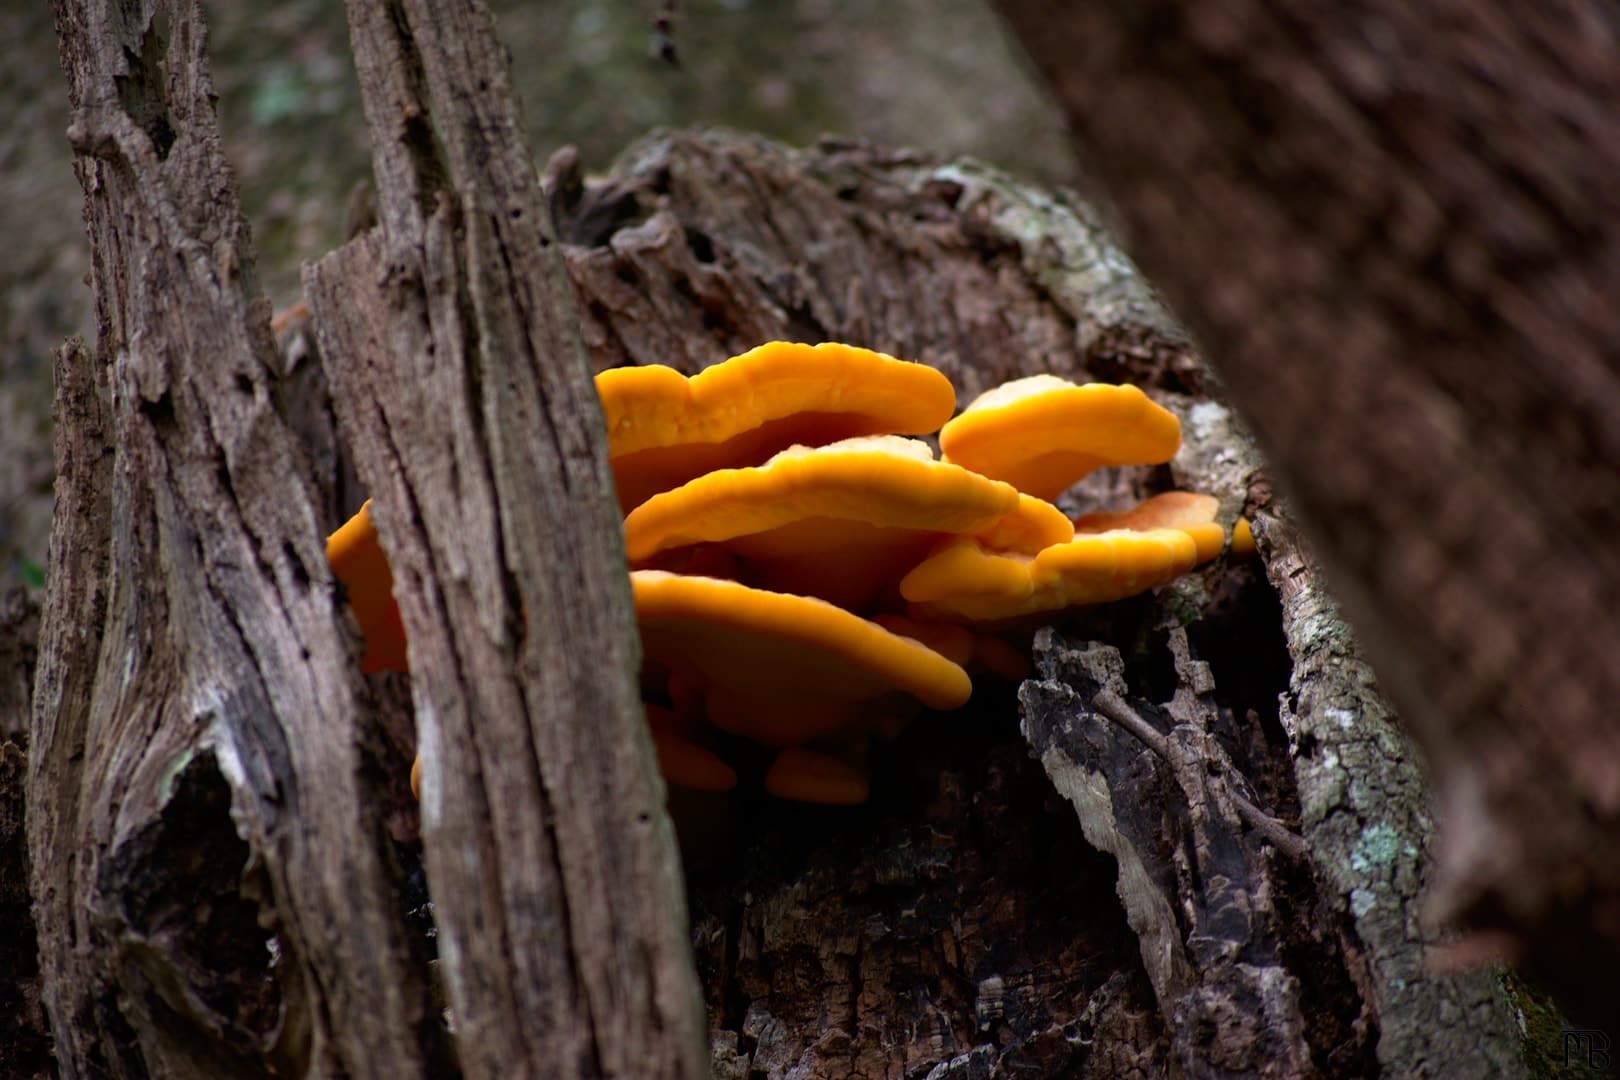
<point>1396,228</point>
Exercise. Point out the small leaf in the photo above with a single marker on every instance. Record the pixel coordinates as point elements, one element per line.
<point>32,574</point>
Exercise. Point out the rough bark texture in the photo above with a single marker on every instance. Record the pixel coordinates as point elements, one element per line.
<point>1393,226</point>
<point>1164,804</point>
<point>1365,811</point>
<point>449,340</point>
<point>215,890</point>
<point>212,886</point>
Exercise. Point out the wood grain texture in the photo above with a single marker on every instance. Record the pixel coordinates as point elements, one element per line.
<point>197,749</point>
<point>457,375</point>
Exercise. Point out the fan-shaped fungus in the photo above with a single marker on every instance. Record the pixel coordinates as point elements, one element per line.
<point>358,561</point>
<point>781,668</point>
<point>665,429</point>
<point>1042,433</point>
<point>785,468</point>
<point>840,522</point>
<point>961,580</point>
<point>1192,513</point>
<point>802,775</point>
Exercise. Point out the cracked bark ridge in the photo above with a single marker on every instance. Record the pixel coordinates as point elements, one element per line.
<point>449,337</point>
<point>1393,227</point>
<point>1197,888</point>
<point>196,704</point>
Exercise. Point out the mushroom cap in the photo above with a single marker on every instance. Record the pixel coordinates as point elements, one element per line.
<point>840,522</point>
<point>1111,556</point>
<point>664,428</point>
<point>1042,433</point>
<point>950,640</point>
<point>1188,511</point>
<point>801,775</point>
<point>764,644</point>
<point>358,561</point>
<point>681,759</point>
<point>1242,539</point>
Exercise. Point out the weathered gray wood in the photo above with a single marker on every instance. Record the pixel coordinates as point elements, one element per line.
<point>1197,883</point>
<point>1394,228</point>
<point>212,885</point>
<point>452,350</point>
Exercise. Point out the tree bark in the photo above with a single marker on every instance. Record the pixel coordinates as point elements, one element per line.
<point>1393,226</point>
<point>215,891</point>
<point>451,345</point>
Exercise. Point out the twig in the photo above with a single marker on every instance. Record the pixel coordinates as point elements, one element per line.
<point>1114,707</point>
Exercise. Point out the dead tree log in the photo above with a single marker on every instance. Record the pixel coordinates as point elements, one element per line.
<point>717,237</point>
<point>1394,228</point>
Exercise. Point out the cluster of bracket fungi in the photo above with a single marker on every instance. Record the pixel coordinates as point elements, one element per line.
<point>808,576</point>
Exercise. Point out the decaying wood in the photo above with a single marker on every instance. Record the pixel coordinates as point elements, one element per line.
<point>690,215</point>
<point>216,893</point>
<point>1196,882</point>
<point>1394,227</point>
<point>1366,814</point>
<point>213,891</point>
<point>450,343</point>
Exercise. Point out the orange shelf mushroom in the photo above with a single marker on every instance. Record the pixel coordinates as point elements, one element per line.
<point>840,522</point>
<point>682,760</point>
<point>665,428</point>
<point>800,775</point>
<point>1042,433</point>
<point>786,468</point>
<point>1106,560</point>
<point>357,560</point>
<point>782,669</point>
<point>1192,513</point>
